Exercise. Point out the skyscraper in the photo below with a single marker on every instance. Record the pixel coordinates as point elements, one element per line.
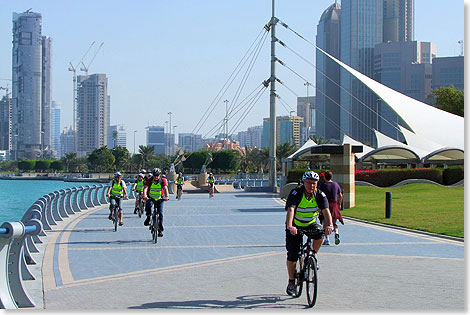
<point>398,20</point>
<point>56,128</point>
<point>31,86</point>
<point>92,112</point>
<point>156,138</point>
<point>327,75</point>
<point>5,118</point>
<point>361,30</point>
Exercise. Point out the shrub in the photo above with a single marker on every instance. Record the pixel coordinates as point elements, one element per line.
<point>42,165</point>
<point>452,175</point>
<point>389,177</point>
<point>26,165</point>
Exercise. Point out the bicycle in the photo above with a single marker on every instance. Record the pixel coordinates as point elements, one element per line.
<point>211,190</point>
<point>154,222</point>
<point>306,266</point>
<point>115,213</point>
<point>140,205</point>
<point>179,191</point>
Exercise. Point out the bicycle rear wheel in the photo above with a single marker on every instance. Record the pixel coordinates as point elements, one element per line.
<point>311,281</point>
<point>298,277</point>
<point>140,209</point>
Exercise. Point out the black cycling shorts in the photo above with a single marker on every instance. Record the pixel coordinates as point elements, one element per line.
<point>293,242</point>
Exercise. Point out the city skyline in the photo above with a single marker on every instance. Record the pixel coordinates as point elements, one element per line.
<point>147,61</point>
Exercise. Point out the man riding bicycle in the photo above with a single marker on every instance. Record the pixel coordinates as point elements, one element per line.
<point>211,183</point>
<point>179,183</point>
<point>155,192</point>
<point>139,189</point>
<point>117,189</point>
<point>303,206</point>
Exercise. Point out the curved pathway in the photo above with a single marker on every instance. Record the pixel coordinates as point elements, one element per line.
<point>228,252</point>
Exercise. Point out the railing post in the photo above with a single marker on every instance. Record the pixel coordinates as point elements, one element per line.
<point>81,201</point>
<point>96,201</point>
<point>61,203</point>
<point>54,208</point>
<point>74,200</point>
<point>68,202</point>
<point>88,200</point>
<point>103,194</point>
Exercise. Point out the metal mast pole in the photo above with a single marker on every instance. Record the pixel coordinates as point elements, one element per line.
<point>272,108</point>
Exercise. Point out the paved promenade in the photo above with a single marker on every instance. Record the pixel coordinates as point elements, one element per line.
<point>228,252</point>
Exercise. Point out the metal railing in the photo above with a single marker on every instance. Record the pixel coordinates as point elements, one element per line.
<point>18,239</point>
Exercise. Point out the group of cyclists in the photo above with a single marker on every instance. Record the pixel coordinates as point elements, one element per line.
<point>152,188</point>
<point>303,206</point>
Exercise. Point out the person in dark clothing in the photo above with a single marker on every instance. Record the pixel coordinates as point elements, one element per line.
<point>334,195</point>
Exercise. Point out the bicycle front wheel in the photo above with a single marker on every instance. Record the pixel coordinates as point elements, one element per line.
<point>155,229</point>
<point>115,219</point>
<point>298,277</point>
<point>311,281</point>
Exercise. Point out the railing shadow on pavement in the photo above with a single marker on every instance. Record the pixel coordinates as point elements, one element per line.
<point>18,239</point>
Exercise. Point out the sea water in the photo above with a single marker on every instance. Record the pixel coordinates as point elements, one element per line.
<point>16,196</point>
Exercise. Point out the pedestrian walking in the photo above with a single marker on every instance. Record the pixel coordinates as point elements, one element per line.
<point>334,195</point>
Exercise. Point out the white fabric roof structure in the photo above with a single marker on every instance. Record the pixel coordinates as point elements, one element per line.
<point>303,150</point>
<point>426,121</point>
<point>365,148</point>
<point>434,151</point>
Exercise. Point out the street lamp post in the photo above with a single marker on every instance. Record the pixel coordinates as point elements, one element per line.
<point>169,113</point>
<point>174,139</point>
<point>134,140</point>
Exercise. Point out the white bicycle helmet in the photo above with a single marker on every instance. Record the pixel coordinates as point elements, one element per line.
<point>310,174</point>
<point>117,174</point>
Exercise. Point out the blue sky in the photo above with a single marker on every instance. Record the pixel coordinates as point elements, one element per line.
<point>161,56</point>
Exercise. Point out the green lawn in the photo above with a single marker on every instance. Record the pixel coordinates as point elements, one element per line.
<point>425,207</point>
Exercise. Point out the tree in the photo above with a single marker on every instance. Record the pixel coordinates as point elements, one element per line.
<point>42,165</point>
<point>101,159</point>
<point>195,160</point>
<point>57,165</point>
<point>121,157</point>
<point>68,160</point>
<point>26,165</point>
<point>225,160</point>
<point>449,99</point>
<point>147,153</point>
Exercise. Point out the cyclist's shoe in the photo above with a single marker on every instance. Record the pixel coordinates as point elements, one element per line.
<point>121,223</point>
<point>326,242</point>
<point>160,234</point>
<point>147,221</point>
<point>110,217</point>
<point>135,211</point>
<point>291,288</point>
<point>337,241</point>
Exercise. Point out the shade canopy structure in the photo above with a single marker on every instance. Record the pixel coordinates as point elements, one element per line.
<point>424,120</point>
<point>365,148</point>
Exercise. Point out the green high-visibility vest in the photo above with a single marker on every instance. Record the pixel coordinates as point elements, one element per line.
<point>139,186</point>
<point>306,212</point>
<point>179,180</point>
<point>210,180</point>
<point>155,190</point>
<point>117,190</point>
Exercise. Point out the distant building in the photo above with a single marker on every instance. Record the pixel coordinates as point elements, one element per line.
<point>55,127</point>
<point>67,142</point>
<point>406,68</point>
<point>306,109</point>
<point>31,86</point>
<point>170,146</point>
<point>327,90</point>
<point>117,136</point>
<point>398,20</point>
<point>287,130</point>
<point>5,118</point>
<point>189,142</point>
<point>251,138</point>
<point>448,71</point>
<point>92,112</point>
<point>156,138</point>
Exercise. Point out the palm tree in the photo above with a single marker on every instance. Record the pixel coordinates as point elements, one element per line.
<point>68,160</point>
<point>147,153</point>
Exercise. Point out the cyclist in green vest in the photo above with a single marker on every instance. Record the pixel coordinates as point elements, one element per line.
<point>179,183</point>
<point>117,189</point>
<point>139,189</point>
<point>155,192</point>
<point>211,183</point>
<point>303,206</point>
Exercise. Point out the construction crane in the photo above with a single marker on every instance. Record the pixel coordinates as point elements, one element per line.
<point>461,47</point>
<point>85,68</point>
<point>7,89</point>
<point>74,70</point>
